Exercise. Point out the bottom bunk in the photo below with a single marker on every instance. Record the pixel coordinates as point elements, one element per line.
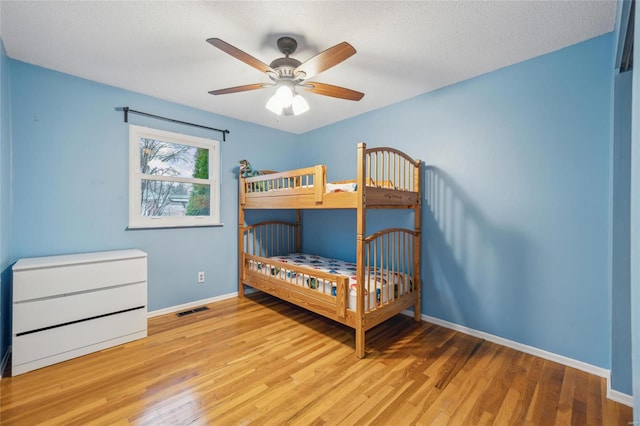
<point>383,282</point>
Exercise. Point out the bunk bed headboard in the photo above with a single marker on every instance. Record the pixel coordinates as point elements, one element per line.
<point>391,168</point>
<point>272,238</point>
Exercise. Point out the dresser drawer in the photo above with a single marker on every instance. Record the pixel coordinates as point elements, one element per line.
<point>57,280</point>
<point>30,348</point>
<point>41,313</point>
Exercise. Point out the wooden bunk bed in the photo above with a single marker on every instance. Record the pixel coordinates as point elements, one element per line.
<point>385,278</point>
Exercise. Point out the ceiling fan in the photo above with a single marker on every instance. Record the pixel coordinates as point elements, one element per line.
<point>288,74</point>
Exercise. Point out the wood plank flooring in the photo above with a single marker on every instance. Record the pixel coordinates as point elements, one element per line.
<point>262,361</point>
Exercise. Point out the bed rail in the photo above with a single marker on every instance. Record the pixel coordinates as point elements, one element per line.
<point>330,291</point>
<point>392,271</point>
<point>309,180</point>
<point>392,169</point>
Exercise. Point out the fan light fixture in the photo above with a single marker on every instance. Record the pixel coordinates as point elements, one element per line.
<point>286,101</point>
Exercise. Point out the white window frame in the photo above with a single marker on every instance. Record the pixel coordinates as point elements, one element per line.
<point>138,221</point>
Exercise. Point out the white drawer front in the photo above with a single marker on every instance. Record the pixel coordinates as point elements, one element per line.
<point>55,341</point>
<point>41,313</point>
<point>53,281</point>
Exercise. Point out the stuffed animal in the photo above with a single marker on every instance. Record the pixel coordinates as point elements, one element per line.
<point>246,170</point>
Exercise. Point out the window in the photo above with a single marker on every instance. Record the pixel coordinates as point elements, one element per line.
<point>174,179</point>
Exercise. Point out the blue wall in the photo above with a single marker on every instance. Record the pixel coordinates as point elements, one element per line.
<point>70,189</point>
<point>621,234</point>
<point>516,210</point>
<point>5,201</point>
<point>621,213</point>
<point>635,226</point>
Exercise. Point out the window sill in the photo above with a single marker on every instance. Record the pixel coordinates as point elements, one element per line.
<point>142,228</point>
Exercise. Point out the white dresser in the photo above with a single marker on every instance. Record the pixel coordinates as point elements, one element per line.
<point>72,305</point>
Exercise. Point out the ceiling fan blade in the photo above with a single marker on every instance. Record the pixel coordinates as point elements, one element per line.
<point>326,59</point>
<point>240,55</point>
<point>239,89</point>
<point>331,90</point>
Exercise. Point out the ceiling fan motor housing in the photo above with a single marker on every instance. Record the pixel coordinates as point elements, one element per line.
<point>285,66</point>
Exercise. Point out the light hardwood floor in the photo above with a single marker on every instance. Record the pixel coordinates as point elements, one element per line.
<point>262,361</point>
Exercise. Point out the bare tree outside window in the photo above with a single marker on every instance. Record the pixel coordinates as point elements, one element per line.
<point>159,158</point>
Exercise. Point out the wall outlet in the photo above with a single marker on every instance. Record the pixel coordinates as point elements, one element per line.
<point>200,277</point>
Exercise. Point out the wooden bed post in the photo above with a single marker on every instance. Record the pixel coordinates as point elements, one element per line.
<point>417,242</point>
<point>360,261</point>
<point>240,235</point>
<point>298,231</point>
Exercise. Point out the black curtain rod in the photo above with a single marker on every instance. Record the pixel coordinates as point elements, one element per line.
<point>128,110</point>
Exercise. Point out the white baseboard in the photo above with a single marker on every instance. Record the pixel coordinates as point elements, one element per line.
<point>4,361</point>
<point>185,306</point>
<point>560,359</point>
<point>620,397</point>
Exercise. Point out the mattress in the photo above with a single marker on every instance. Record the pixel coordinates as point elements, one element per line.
<point>341,187</point>
<point>379,279</point>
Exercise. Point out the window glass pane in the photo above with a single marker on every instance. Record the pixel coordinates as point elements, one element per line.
<point>161,198</point>
<point>171,159</point>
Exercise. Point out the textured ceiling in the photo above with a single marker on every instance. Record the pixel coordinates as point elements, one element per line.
<point>404,48</point>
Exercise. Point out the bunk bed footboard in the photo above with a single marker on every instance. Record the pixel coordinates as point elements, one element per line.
<point>392,271</point>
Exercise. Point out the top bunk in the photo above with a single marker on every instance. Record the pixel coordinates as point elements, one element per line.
<point>385,178</point>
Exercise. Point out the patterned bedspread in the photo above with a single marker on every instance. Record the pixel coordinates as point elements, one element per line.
<point>379,280</point>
